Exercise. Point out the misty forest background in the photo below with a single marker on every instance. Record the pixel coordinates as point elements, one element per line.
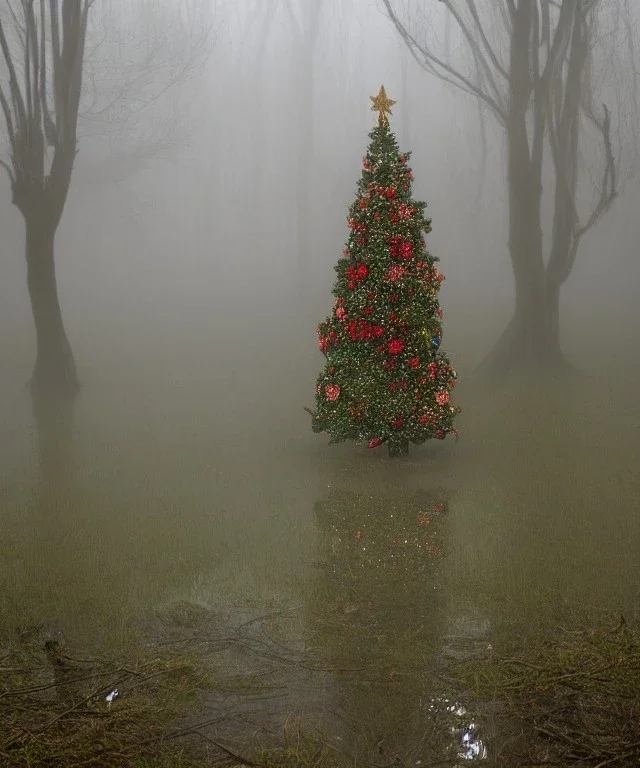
<point>194,260</point>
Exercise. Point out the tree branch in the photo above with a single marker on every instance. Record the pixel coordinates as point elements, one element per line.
<point>488,48</point>
<point>440,69</point>
<point>14,87</point>
<point>36,47</point>
<point>570,96</point>
<point>26,52</point>
<point>159,70</point>
<point>6,109</point>
<point>608,190</point>
<point>7,168</point>
<point>477,53</point>
<point>545,27</point>
<point>43,46</point>
<point>55,60</point>
<point>559,45</point>
<point>49,126</point>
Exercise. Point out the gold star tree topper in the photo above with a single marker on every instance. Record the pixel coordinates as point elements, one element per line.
<point>382,104</point>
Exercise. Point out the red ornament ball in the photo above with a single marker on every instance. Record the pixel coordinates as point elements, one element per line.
<point>332,391</point>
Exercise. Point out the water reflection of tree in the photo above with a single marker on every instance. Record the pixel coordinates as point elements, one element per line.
<point>379,609</point>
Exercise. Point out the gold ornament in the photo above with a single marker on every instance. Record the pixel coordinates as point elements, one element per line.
<point>382,105</point>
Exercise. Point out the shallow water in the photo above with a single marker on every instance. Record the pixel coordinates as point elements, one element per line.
<point>208,486</point>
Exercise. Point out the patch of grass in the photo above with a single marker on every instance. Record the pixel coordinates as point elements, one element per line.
<point>303,748</point>
<point>53,708</point>
<point>309,753</point>
<point>54,712</point>
<point>573,700</point>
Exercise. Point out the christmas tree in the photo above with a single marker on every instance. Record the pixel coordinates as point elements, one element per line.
<point>386,378</point>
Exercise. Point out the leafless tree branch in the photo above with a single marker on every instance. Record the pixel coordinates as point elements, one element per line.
<point>554,87</point>
<point>9,171</point>
<point>131,67</point>
<point>608,191</point>
<point>445,71</point>
<point>468,33</point>
<point>570,97</point>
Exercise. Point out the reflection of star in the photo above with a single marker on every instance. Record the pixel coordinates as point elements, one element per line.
<point>382,105</point>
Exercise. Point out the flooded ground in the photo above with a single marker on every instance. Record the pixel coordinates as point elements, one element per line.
<point>336,583</point>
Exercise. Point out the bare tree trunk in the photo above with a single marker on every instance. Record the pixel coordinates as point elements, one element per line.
<point>54,384</point>
<point>55,370</point>
<point>528,340</point>
<point>532,337</point>
<point>525,248</point>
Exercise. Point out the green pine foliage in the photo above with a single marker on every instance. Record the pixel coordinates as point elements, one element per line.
<point>386,378</point>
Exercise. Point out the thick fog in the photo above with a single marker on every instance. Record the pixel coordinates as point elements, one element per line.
<point>191,281</point>
<point>168,239</point>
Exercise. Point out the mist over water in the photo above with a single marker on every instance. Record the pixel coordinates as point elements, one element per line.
<point>195,474</point>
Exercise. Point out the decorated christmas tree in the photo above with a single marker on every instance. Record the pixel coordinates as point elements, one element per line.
<point>386,378</point>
